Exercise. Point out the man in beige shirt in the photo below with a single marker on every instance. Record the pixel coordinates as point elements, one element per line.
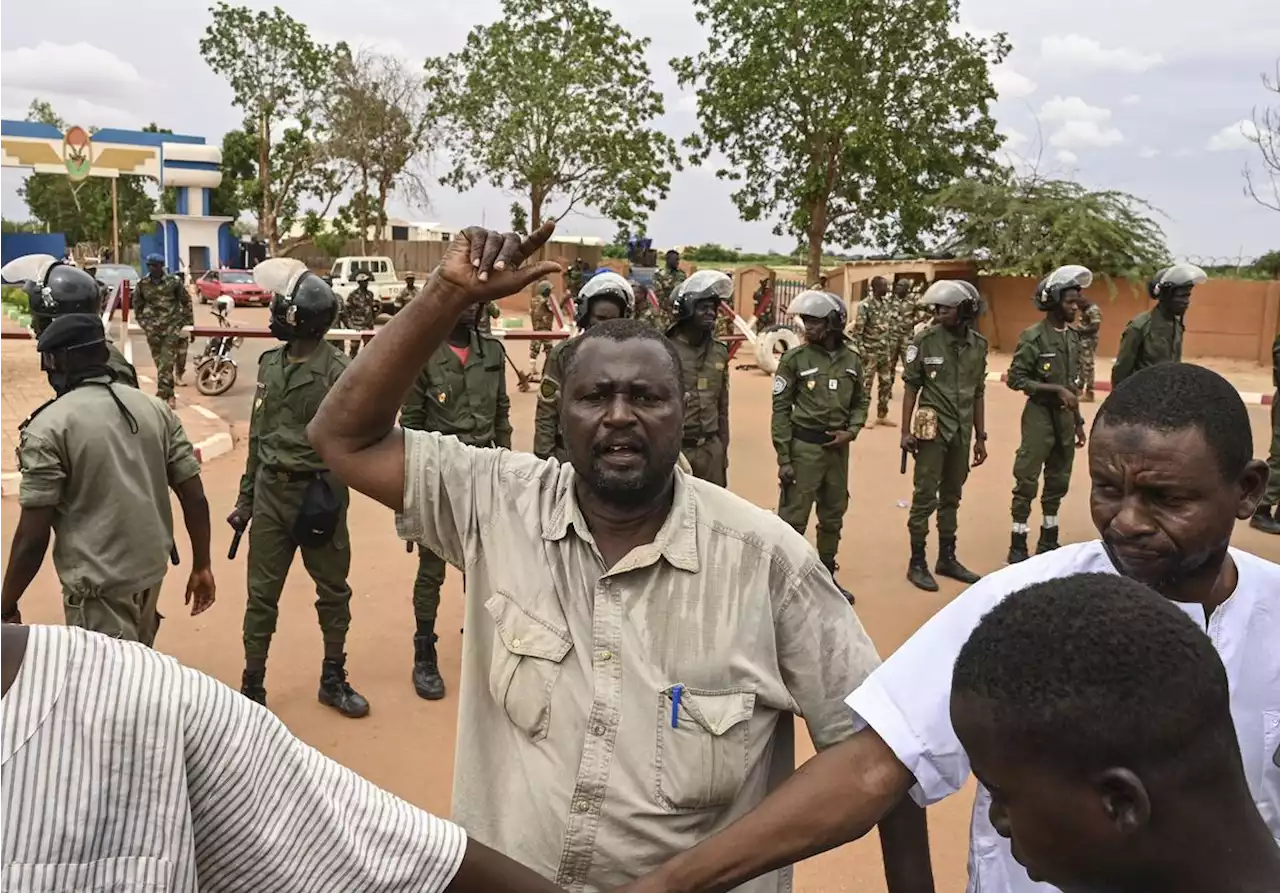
<point>638,640</point>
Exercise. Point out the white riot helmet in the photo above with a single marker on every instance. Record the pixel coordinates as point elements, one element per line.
<point>1175,277</point>
<point>953,293</point>
<point>701,286</point>
<point>608,285</point>
<point>1052,287</point>
<point>819,304</point>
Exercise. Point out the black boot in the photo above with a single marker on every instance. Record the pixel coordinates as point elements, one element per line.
<point>252,686</point>
<point>947,564</point>
<point>832,567</point>
<point>918,569</point>
<point>335,691</point>
<point>1017,548</point>
<point>1263,520</point>
<point>426,671</point>
<point>1048,540</point>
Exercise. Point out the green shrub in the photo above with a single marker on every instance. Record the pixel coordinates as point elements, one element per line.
<point>15,296</point>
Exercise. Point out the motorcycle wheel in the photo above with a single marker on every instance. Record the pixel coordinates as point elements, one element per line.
<point>215,378</point>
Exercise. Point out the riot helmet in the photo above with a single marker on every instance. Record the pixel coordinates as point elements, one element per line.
<point>704,285</point>
<point>1179,276</point>
<point>954,293</point>
<point>53,288</point>
<point>820,305</point>
<point>303,306</point>
<point>604,285</point>
<point>1050,290</point>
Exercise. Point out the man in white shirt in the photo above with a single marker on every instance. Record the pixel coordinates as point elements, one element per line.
<point>121,769</point>
<point>1098,717</point>
<point>1171,468</point>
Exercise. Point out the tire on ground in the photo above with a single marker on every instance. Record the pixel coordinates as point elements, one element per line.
<point>772,343</point>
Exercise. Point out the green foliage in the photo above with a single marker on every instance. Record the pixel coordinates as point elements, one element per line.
<point>553,103</point>
<point>519,219</point>
<point>14,296</point>
<point>840,117</point>
<point>239,189</point>
<point>82,211</point>
<point>21,226</point>
<point>1029,226</point>
<point>1268,264</point>
<point>277,74</point>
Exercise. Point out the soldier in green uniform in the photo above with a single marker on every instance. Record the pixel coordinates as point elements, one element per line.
<point>290,497</point>
<point>542,318</point>
<point>409,292</point>
<point>819,406</point>
<point>664,286</point>
<point>55,288</point>
<point>461,391</point>
<point>946,369</point>
<point>160,305</point>
<point>1155,336</point>
<point>1263,519</point>
<point>1087,325</point>
<point>98,462</point>
<point>1047,367</point>
<point>360,311</point>
<point>607,296</point>
<point>705,367</point>
<point>877,331</point>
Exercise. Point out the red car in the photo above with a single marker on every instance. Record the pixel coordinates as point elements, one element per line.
<point>236,284</point>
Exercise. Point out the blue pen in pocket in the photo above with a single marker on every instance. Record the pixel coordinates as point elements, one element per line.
<point>677,691</point>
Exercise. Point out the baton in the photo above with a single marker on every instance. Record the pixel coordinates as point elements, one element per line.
<point>173,554</point>
<point>408,546</point>
<point>235,544</point>
<point>902,468</point>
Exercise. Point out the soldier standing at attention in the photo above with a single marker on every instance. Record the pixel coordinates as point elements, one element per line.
<point>1262,518</point>
<point>876,331</point>
<point>290,497</point>
<point>461,391</point>
<point>97,465</point>
<point>665,281</point>
<point>55,288</point>
<point>361,310</point>
<point>819,406</point>
<point>607,296</point>
<point>408,293</point>
<point>1155,336</point>
<point>1087,325</point>
<point>1046,366</point>
<point>704,363</point>
<point>541,318</point>
<point>946,368</point>
<point>160,304</point>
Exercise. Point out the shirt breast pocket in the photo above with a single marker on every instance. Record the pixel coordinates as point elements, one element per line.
<point>528,655</point>
<point>131,874</point>
<point>702,746</point>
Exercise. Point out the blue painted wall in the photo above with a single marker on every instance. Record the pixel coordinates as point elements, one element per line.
<point>21,244</point>
<point>171,246</point>
<point>150,243</point>
<point>228,246</point>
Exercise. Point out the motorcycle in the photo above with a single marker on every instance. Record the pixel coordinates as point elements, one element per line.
<point>215,369</point>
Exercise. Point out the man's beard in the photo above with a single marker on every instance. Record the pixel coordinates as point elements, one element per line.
<point>1170,577</point>
<point>631,488</point>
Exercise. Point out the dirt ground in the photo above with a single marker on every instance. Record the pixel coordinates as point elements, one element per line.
<point>407,744</point>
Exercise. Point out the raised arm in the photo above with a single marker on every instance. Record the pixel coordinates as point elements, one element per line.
<point>354,431</point>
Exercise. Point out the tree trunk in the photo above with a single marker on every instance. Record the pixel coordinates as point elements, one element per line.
<point>267,219</point>
<point>817,229</point>
<point>537,195</point>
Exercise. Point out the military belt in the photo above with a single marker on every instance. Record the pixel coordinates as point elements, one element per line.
<point>293,477</point>
<point>810,435</point>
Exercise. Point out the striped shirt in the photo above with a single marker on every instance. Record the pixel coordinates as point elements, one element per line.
<point>124,770</point>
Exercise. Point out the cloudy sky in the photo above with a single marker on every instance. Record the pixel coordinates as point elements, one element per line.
<point>1146,96</point>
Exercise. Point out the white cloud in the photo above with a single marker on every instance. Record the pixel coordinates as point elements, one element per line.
<point>1085,135</point>
<point>1240,135</point>
<point>1148,152</point>
<point>1066,156</point>
<point>1012,138</point>
<point>1011,84</point>
<point>1072,108</point>
<point>1131,99</point>
<point>74,70</point>
<point>1086,54</point>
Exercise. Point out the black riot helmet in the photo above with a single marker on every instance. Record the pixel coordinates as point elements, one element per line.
<point>1051,289</point>
<point>53,288</point>
<point>704,285</point>
<point>604,286</point>
<point>304,305</point>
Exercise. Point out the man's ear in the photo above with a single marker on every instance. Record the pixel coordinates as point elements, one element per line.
<point>1253,486</point>
<point>1124,799</point>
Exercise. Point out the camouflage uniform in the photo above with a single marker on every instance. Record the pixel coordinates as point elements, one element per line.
<point>360,312</point>
<point>878,335</point>
<point>163,308</point>
<point>542,319</point>
<point>1087,326</point>
<point>406,294</point>
<point>664,284</point>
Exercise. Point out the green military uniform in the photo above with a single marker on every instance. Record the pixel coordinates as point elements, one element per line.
<point>548,442</point>
<point>1088,327</point>
<point>360,312</point>
<point>1151,337</point>
<point>705,372</point>
<point>406,294</point>
<point>280,465</point>
<point>468,400</point>
<point>816,391</point>
<point>1044,355</point>
<point>542,319</point>
<point>162,307</point>
<point>877,335</point>
<point>574,279</point>
<point>109,486</point>
<point>665,282</point>
<point>120,367</point>
<point>950,374</point>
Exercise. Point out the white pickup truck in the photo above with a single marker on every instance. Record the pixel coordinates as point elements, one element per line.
<point>386,283</point>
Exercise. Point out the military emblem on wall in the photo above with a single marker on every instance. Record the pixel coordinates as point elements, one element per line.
<point>77,153</point>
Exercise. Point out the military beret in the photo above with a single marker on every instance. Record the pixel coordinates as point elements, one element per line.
<point>71,331</point>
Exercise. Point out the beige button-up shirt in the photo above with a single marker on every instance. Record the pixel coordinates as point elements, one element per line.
<point>611,718</point>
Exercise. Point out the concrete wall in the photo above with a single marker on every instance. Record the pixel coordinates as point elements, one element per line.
<point>1232,318</point>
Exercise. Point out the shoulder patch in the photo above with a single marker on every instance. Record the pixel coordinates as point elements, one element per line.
<point>912,352</point>
<point>549,388</point>
<point>779,385</point>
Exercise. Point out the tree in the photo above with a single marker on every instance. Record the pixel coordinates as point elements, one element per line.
<point>841,117</point>
<point>238,189</point>
<point>1265,186</point>
<point>280,78</point>
<point>82,211</point>
<point>552,103</point>
<point>378,129</point>
<point>1026,225</point>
